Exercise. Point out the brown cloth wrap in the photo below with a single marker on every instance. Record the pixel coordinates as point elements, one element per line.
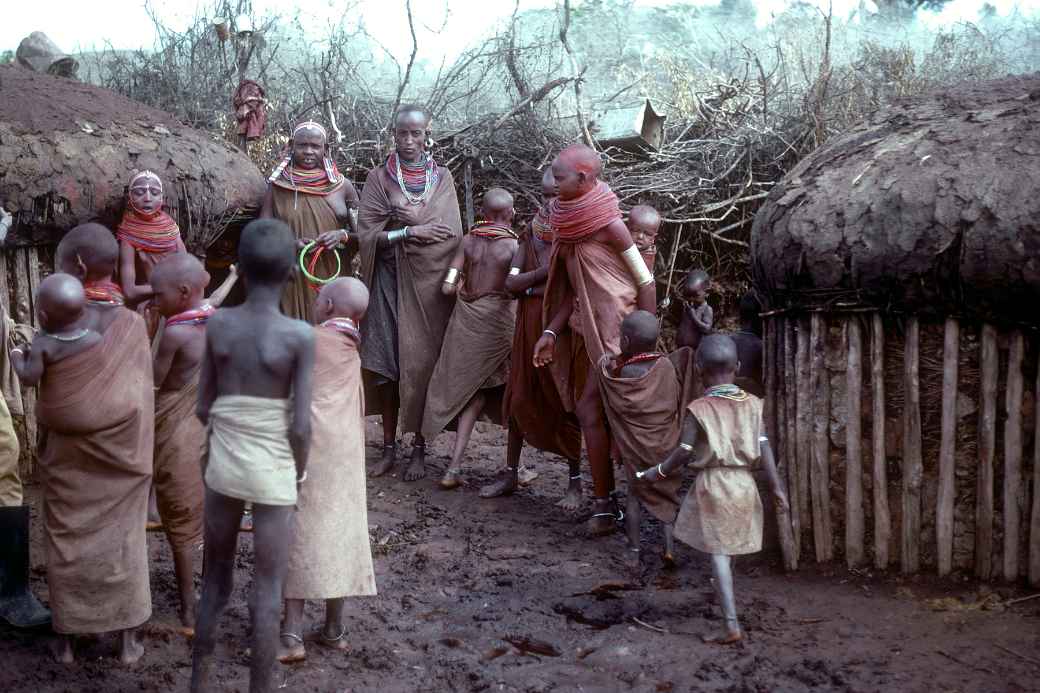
<point>596,274</point>
<point>645,416</point>
<point>180,443</point>
<point>422,310</point>
<point>474,356</point>
<point>329,555</point>
<point>531,398</point>
<point>722,512</point>
<point>97,471</point>
<point>308,216</point>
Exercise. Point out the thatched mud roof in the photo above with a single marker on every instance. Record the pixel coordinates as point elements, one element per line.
<point>67,150</point>
<point>932,206</point>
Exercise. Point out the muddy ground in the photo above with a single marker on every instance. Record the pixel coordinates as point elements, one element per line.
<point>458,576</point>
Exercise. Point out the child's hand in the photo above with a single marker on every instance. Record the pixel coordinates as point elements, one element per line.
<point>780,498</point>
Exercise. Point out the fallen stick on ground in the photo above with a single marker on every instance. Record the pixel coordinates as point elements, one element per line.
<point>648,626</point>
<point>1022,599</point>
<point>1031,660</point>
<point>967,664</point>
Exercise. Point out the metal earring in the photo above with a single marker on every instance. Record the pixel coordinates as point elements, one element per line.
<point>429,142</point>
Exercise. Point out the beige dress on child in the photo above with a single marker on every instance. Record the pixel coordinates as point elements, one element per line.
<point>722,512</point>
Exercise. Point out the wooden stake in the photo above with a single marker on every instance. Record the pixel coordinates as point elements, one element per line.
<point>22,294</point>
<point>1034,524</point>
<point>820,389</point>
<point>947,448</point>
<point>987,446</point>
<point>805,419</point>
<point>913,470</point>
<point>467,182</point>
<point>5,292</point>
<point>882,516</point>
<point>773,354</point>
<point>1013,455</point>
<point>791,430</point>
<point>854,445</point>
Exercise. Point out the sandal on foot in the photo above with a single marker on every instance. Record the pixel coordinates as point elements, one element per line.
<point>291,658</point>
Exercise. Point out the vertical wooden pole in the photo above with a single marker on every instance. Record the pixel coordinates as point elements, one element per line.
<point>22,294</point>
<point>1034,523</point>
<point>882,516</point>
<point>5,292</point>
<point>773,353</point>
<point>1013,455</point>
<point>820,389</point>
<point>987,446</point>
<point>947,448</point>
<point>27,273</point>
<point>854,445</point>
<point>913,470</point>
<point>467,182</point>
<point>791,429</point>
<point>805,419</point>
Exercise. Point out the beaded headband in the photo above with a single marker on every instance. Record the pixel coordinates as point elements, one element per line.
<point>311,125</point>
<point>146,174</point>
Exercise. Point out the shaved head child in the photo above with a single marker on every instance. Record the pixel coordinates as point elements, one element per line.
<point>95,398</point>
<point>643,395</point>
<point>470,375</point>
<point>65,328</point>
<point>180,439</point>
<point>255,398</point>
<point>90,253</point>
<point>722,437</point>
<point>329,556</point>
<point>697,316</point>
<point>644,222</point>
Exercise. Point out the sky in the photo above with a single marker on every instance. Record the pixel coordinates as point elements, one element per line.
<point>444,28</point>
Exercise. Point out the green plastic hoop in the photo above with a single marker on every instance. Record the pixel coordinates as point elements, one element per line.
<point>310,277</point>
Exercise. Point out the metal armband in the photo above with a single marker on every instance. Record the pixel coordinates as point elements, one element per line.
<point>397,235</point>
<point>636,266</point>
<point>513,271</point>
<point>452,277</point>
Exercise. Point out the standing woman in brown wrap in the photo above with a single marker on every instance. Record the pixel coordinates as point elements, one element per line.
<point>409,228</point>
<point>309,194</point>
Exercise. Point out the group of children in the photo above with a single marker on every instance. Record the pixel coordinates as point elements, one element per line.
<point>245,405</point>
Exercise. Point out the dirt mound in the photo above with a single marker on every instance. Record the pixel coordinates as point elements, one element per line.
<point>930,206</point>
<point>67,150</point>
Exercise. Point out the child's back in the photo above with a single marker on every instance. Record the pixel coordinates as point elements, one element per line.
<point>256,351</point>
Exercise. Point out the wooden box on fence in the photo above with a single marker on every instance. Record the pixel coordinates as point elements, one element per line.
<point>632,128</point>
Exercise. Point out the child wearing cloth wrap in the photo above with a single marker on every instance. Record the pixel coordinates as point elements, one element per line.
<point>722,436</point>
<point>255,399</point>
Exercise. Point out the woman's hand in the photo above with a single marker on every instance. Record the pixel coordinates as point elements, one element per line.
<point>544,350</point>
<point>425,234</point>
<point>331,239</point>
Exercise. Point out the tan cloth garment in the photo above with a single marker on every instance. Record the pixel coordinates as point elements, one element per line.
<point>249,454</point>
<point>308,216</point>
<point>97,471</point>
<point>329,555</point>
<point>10,482</point>
<point>531,399</point>
<point>645,422</point>
<point>475,356</point>
<point>722,512</point>
<point>422,311</point>
<point>180,442</point>
<point>11,335</point>
<point>597,276</point>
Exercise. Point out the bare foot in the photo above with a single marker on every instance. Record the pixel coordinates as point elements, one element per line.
<point>417,466</point>
<point>525,475</point>
<point>246,524</point>
<point>669,560</point>
<point>130,649</point>
<point>452,479</point>
<point>187,614</point>
<point>503,487</point>
<point>572,500</point>
<point>62,649</point>
<point>387,462</point>
<point>726,636</point>
<point>290,649</point>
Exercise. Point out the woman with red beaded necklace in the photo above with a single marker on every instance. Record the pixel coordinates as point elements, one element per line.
<point>409,229</point>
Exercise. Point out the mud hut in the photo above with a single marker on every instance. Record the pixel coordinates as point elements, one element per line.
<point>901,268</point>
<point>67,150</point>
